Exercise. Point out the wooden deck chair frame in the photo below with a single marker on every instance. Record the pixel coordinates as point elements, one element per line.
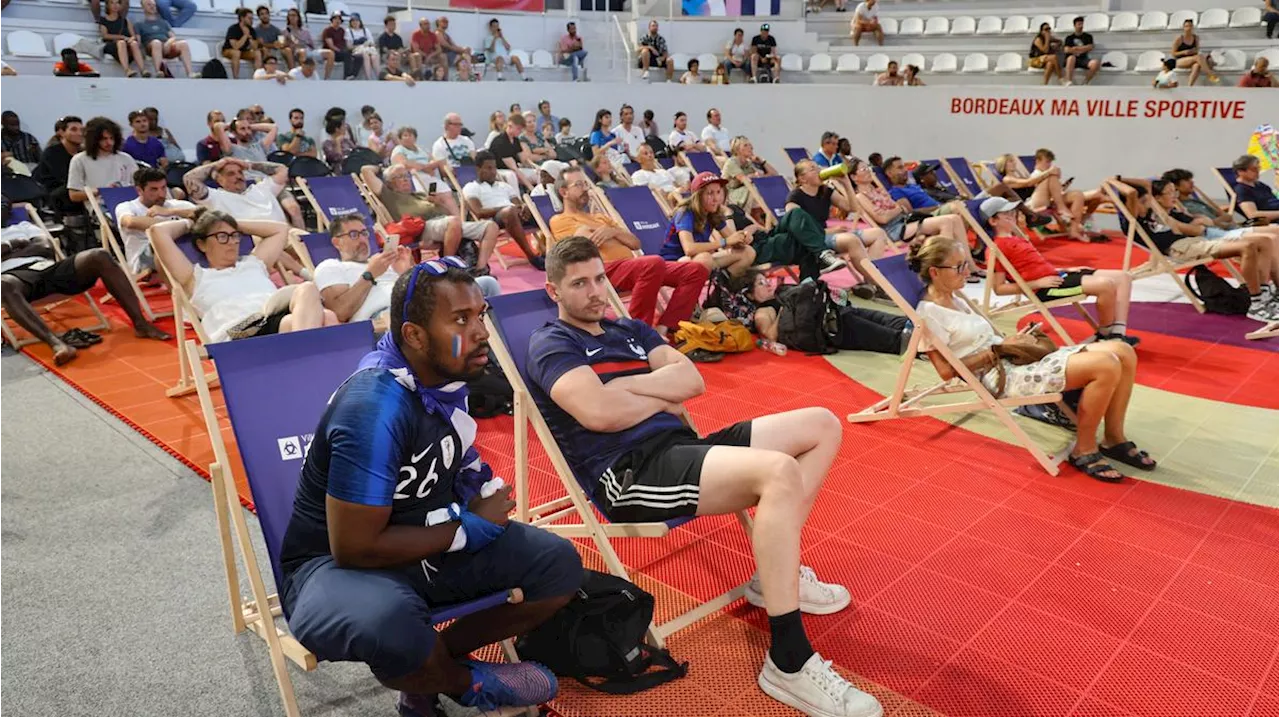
<point>44,305</point>
<point>503,238</point>
<point>1157,262</point>
<point>956,180</point>
<point>1232,199</point>
<point>576,501</point>
<point>1026,301</point>
<point>106,227</point>
<point>184,311</point>
<point>905,403</point>
<point>1270,331</point>
<point>248,614</point>
<point>984,170</point>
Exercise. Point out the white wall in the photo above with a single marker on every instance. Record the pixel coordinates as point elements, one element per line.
<point>913,122</point>
<point>1171,6</point>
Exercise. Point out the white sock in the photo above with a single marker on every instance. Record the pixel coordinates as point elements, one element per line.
<point>1117,329</point>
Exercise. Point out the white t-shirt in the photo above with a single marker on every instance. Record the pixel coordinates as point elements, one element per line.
<point>632,139</point>
<point>865,12</point>
<point>658,178</point>
<point>224,297</point>
<point>677,139</point>
<point>135,240</point>
<point>1164,77</point>
<point>335,272</point>
<point>453,149</point>
<point>491,196</point>
<point>112,170</point>
<point>257,202</point>
<point>296,73</point>
<point>417,155</point>
<point>963,331</point>
<point>261,74</point>
<point>720,136</point>
<point>737,51</point>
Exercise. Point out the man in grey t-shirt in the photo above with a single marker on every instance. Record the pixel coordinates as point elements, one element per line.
<point>270,38</point>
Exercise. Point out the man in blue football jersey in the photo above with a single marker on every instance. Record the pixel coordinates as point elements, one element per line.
<point>612,394</point>
<point>397,516</point>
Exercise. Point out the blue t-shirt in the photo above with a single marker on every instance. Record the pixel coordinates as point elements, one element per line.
<point>622,350</point>
<point>600,139</point>
<point>375,445</point>
<point>1260,194</point>
<point>672,250</point>
<point>913,193</point>
<point>150,151</point>
<point>822,161</point>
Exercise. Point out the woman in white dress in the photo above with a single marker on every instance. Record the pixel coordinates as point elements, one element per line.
<point>234,294</point>
<point>359,42</point>
<point>1104,371</point>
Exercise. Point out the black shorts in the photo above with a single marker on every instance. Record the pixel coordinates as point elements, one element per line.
<point>1083,60</point>
<point>1024,192</point>
<point>1070,286</point>
<point>654,61</point>
<point>659,479</point>
<point>50,278</point>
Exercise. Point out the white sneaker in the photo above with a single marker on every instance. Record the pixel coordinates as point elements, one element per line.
<point>644,75</point>
<point>816,597</point>
<point>817,690</point>
<point>1261,310</point>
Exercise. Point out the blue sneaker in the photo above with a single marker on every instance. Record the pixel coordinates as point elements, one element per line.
<point>524,684</point>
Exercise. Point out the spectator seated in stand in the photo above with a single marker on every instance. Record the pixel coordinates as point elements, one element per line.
<point>652,52</point>
<point>631,134</point>
<point>911,77</point>
<point>570,52</point>
<point>270,70</point>
<point>866,18</point>
<point>135,217</point>
<point>604,142</point>
<point>491,198</point>
<point>241,42</point>
<point>459,57</point>
<point>1193,202</point>
<point>427,59</point>
<point>691,76</point>
<point>1044,54</point>
<point>764,55</point>
<point>607,174</point>
<point>1077,47</point>
<point>304,45</point>
<point>890,76</point>
<point>736,55</point>
<point>1258,75</point>
<point>72,66</point>
<point>511,154</point>
<point>1166,79</point>
<point>1187,54</point>
<point>497,52</point>
<point>539,148</point>
<point>1254,199</point>
<point>159,41</point>
<point>271,42</point>
<point>390,41</point>
<point>119,39</point>
<point>612,392</point>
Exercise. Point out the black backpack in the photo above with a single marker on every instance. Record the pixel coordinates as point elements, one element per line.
<point>490,394</point>
<point>1219,297</point>
<point>600,634</point>
<point>807,318</point>
<point>213,70</point>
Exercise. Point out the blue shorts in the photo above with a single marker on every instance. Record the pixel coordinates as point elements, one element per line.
<point>383,617</point>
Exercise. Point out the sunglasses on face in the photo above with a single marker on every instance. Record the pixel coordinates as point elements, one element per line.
<point>435,267</point>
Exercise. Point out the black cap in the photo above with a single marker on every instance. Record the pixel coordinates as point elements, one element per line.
<point>925,169</point>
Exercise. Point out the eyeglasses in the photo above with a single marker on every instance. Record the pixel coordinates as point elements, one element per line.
<point>960,268</point>
<point>435,267</point>
<point>356,234</point>
<point>222,237</point>
<point>580,184</point>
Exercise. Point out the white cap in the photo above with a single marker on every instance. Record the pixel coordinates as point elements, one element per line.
<point>554,167</point>
<point>995,205</point>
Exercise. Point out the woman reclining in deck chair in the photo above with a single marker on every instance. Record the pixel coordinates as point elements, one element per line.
<point>817,198</point>
<point>234,294</point>
<point>1111,287</point>
<point>893,217</point>
<point>1104,371</point>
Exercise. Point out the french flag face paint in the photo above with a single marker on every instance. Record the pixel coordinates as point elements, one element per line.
<point>457,345</point>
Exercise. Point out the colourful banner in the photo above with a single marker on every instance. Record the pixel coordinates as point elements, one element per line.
<point>517,5</point>
<point>1263,146</point>
<point>730,8</point>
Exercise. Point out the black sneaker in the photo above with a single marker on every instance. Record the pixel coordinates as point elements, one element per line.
<point>830,262</point>
<point>538,262</point>
<point>864,291</point>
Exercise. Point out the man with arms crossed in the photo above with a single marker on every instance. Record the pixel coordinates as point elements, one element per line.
<point>396,513</point>
<point>612,392</point>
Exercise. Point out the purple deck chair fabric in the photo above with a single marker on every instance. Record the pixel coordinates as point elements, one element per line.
<point>542,204</point>
<point>702,162</point>
<point>113,197</point>
<point>516,317</point>
<point>1029,162</point>
<point>774,191</point>
<point>944,179</point>
<point>884,178</point>
<point>338,196</point>
<point>642,215</point>
<point>795,154</point>
<point>465,174</point>
<point>903,279</point>
<point>964,172</point>
<point>187,244</point>
<point>17,215</point>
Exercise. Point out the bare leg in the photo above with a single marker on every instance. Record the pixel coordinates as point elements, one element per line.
<point>305,309</point>
<point>487,244</point>
<point>1098,372</point>
<point>1094,65</point>
<point>97,263</point>
<point>452,237</point>
<point>234,56</point>
<point>1251,267</point>
<point>509,218</point>
<point>14,299</point>
<point>1113,430</point>
<point>135,52</point>
<point>857,34</point>
<point>184,54</point>
<point>1070,75</point>
<point>156,49</point>
<point>1113,288</point>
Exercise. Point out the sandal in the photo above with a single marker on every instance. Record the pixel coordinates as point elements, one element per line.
<point>74,341</point>
<point>86,336</point>
<point>1131,340</point>
<point>1092,465</point>
<point>1129,454</point>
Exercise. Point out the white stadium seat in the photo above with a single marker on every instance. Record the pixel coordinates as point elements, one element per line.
<point>1118,60</point>
<point>877,63</point>
<point>1096,22</point>
<point>913,58</point>
<point>1272,55</point>
<point>976,62</point>
<point>1124,22</point>
<point>707,62</point>
<point>849,63</point>
<point>989,25</point>
<point>964,26</point>
<point>231,6</point>
<point>199,51</point>
<point>1214,18</point>
<point>793,63</point>
<point>64,40</point>
<point>820,62</point>
<point>1181,16</point>
<point>1016,25</point>
<point>542,59</point>
<point>24,43</point>
<point>1149,61</point>
<point>520,55</point>
<point>889,25</point>
<point>945,62</point>
<point>911,26</point>
<point>1246,17</point>
<point>936,25</point>
<point>1009,62</point>
<point>1034,26</point>
<point>1230,60</point>
<point>681,61</point>
<point>1065,23</point>
<point>1154,20</point>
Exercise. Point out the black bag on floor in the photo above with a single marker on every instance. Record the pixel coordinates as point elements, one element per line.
<point>598,639</point>
<point>1219,297</point>
<point>490,394</point>
<point>807,318</point>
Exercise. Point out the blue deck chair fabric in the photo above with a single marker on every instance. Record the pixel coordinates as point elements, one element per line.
<point>880,175</point>
<point>320,247</point>
<point>465,175</point>
<point>113,197</point>
<point>516,317</point>
<point>591,173</point>
<point>1029,162</point>
<point>666,162</point>
<point>631,167</point>
<point>903,279</point>
<point>187,244</point>
<point>795,154</point>
<point>964,172</point>
<point>17,215</point>
<point>774,191</point>
<point>702,162</point>
<point>546,210</point>
<point>642,215</point>
<point>338,196</point>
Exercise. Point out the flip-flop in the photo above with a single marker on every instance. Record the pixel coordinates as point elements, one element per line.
<point>1129,454</point>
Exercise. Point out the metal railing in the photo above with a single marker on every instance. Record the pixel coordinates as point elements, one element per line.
<point>627,48</point>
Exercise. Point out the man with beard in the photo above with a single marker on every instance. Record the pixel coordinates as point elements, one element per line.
<point>151,207</point>
<point>396,513</point>
<point>296,141</point>
<point>18,145</point>
<point>55,163</point>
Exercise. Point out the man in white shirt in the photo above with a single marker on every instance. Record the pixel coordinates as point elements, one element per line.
<point>866,18</point>
<point>681,139</point>
<point>233,194</point>
<point>135,217</point>
<point>715,137</point>
<point>270,70</point>
<point>357,286</point>
<point>491,198</point>
<point>305,71</point>
<point>631,134</point>
<point>452,145</point>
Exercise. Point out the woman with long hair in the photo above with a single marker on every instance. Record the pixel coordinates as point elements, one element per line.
<point>1044,53</point>
<point>604,140</point>
<point>876,204</point>
<point>743,163</point>
<point>497,125</point>
<point>815,197</point>
<point>360,43</point>
<point>689,237</point>
<point>119,40</point>
<point>1186,51</point>
<point>339,144</point>
<point>303,44</point>
<point>1103,371</point>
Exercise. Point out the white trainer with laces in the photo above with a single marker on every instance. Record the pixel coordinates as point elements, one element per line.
<point>816,597</point>
<point>817,690</point>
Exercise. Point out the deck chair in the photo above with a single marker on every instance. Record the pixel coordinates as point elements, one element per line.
<point>511,321</point>
<point>771,194</point>
<point>1028,162</point>
<point>961,172</point>
<point>1026,301</point>
<point>273,422</point>
<point>1157,262</point>
<point>905,288</point>
<point>103,202</point>
<point>1226,176</point>
<point>460,177</point>
<point>795,154</point>
<point>945,180</point>
<point>700,162</point>
<point>638,209</point>
<point>27,213</point>
<point>332,197</point>
<point>1270,331</point>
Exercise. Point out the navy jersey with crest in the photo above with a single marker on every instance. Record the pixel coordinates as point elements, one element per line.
<point>621,350</point>
<point>375,445</point>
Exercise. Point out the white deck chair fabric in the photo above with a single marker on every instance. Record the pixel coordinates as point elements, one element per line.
<point>1124,22</point>
<point>1149,61</point>
<point>944,62</point>
<point>989,25</point>
<point>1214,18</point>
<point>964,26</point>
<point>1119,60</point>
<point>911,26</point>
<point>792,62</point>
<point>820,62</point>
<point>1246,17</point>
<point>1154,20</point>
<point>1016,25</point>
<point>877,63</point>
<point>1096,22</point>
<point>1176,19</point>
<point>849,63</point>
<point>24,43</point>
<point>936,26</point>
<point>1009,62</point>
<point>976,62</point>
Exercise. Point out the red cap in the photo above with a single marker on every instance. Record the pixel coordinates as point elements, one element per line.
<point>704,179</point>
